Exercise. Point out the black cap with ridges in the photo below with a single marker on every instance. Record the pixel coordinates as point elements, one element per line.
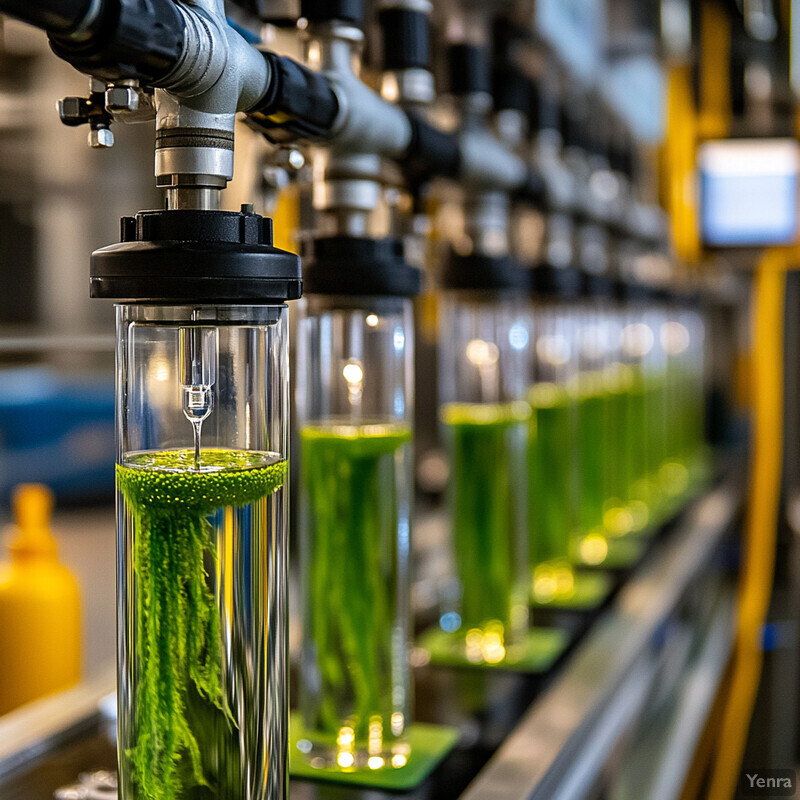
<point>511,89</point>
<point>351,11</point>
<point>478,272</point>
<point>549,282</point>
<point>189,256</point>
<point>348,265</point>
<point>406,38</point>
<point>469,69</point>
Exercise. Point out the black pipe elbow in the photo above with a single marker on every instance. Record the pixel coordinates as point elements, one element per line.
<point>127,39</point>
<point>300,103</point>
<point>63,17</point>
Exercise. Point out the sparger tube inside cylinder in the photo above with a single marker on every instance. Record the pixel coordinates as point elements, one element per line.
<point>202,580</point>
<point>198,354</point>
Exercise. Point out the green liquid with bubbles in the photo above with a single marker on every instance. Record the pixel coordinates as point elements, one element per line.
<point>192,707</point>
<point>355,529</point>
<point>488,508</point>
<point>551,475</point>
<point>592,415</point>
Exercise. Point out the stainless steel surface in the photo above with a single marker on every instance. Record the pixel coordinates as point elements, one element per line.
<point>659,762</point>
<point>408,86</point>
<point>40,727</point>
<point>563,734</point>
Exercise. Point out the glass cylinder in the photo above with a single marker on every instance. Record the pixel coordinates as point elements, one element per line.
<point>593,419</point>
<point>655,364</point>
<point>621,436</point>
<point>355,408</point>
<point>685,341</point>
<point>202,416</point>
<point>638,341</point>
<point>483,371</point>
<point>552,445</point>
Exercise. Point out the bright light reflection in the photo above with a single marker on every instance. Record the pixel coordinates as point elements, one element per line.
<point>485,646</point>
<point>518,336</point>
<point>398,722</point>
<point>345,760</point>
<point>593,549</point>
<point>675,338</point>
<point>450,621</point>
<point>637,339</point>
<point>544,587</point>
<point>372,320</point>
<point>353,373</point>
<point>482,354</point>
<point>553,349</point>
<point>160,370</point>
<point>375,762</point>
<point>345,737</point>
<point>375,737</point>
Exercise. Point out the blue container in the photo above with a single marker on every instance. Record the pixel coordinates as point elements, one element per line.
<point>58,431</point>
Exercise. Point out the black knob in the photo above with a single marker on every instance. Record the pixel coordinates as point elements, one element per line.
<point>511,89</point>
<point>469,69</point>
<point>406,39</point>
<point>351,11</point>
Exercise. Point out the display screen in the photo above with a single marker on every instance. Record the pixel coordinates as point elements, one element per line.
<point>748,192</point>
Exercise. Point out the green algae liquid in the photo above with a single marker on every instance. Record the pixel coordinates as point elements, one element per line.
<point>202,704</point>
<point>637,417</point>
<point>551,475</point>
<point>488,510</point>
<point>592,414</point>
<point>355,517</point>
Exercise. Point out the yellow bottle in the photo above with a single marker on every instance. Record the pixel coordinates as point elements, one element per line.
<point>40,619</point>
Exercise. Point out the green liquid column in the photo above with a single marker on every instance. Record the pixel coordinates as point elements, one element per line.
<point>552,446</point>
<point>655,364</point>
<point>483,369</point>
<point>486,443</point>
<point>693,398</point>
<point>551,472</point>
<point>637,343</point>
<point>354,405</point>
<point>594,411</point>
<point>202,659</point>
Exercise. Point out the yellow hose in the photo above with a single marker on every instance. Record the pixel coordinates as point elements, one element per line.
<point>761,524</point>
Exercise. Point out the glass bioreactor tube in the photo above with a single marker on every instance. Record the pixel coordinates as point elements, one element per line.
<point>202,400</point>
<point>552,444</point>
<point>484,343</point>
<point>202,532</point>
<point>355,409</point>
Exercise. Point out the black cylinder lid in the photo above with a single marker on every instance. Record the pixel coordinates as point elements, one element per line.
<point>563,283</point>
<point>196,256</point>
<point>406,39</point>
<point>545,105</point>
<point>328,10</point>
<point>347,265</point>
<point>478,272</point>
<point>596,285</point>
<point>511,89</point>
<point>631,291</point>
<point>573,124</point>
<point>469,69</point>
<point>506,34</point>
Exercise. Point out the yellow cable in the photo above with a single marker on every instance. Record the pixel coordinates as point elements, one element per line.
<point>760,534</point>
